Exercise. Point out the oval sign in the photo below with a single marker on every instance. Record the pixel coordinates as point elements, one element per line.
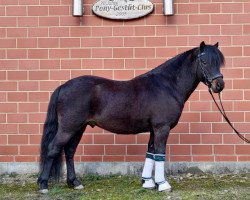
<point>122,9</point>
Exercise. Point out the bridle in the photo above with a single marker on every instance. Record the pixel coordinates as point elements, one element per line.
<point>208,82</point>
<point>208,79</point>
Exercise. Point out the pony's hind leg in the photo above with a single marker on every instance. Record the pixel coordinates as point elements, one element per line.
<point>147,181</point>
<point>160,140</point>
<point>54,150</point>
<point>70,149</point>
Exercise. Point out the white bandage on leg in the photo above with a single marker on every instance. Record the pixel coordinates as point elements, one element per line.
<point>160,180</point>
<point>147,172</point>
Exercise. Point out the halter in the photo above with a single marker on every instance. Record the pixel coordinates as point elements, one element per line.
<point>208,78</point>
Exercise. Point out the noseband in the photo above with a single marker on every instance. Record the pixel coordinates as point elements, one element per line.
<point>206,75</point>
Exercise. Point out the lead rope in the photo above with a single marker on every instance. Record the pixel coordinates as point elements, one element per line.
<point>222,111</point>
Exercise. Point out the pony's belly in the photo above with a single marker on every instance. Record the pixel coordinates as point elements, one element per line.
<point>121,127</point>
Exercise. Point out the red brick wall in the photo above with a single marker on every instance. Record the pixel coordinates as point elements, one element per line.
<point>42,46</point>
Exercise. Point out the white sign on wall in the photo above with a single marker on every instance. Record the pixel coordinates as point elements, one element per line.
<point>122,9</point>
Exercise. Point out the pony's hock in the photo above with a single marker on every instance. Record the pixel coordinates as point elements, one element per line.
<point>152,102</point>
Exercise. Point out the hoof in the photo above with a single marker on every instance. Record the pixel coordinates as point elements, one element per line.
<point>164,187</point>
<point>44,191</point>
<point>79,187</point>
<point>148,184</point>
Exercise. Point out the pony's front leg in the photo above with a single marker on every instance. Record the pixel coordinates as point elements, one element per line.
<point>160,140</point>
<point>147,180</point>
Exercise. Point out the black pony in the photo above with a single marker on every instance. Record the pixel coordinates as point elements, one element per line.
<point>152,102</point>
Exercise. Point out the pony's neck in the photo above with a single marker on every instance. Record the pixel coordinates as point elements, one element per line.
<point>180,73</point>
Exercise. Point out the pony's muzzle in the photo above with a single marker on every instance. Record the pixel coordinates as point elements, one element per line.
<point>217,85</point>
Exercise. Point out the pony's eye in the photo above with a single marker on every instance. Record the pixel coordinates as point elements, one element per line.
<point>204,62</point>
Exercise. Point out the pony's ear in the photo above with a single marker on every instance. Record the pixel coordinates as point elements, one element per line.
<point>217,44</point>
<point>202,46</point>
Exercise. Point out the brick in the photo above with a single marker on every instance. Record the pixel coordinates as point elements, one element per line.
<point>25,159</point>
<point>38,32</point>
<point>199,19</point>
<point>50,64</point>
<point>49,21</point>
<point>27,21</point>
<point>123,74</point>
<point>3,139</point>
<point>70,42</point>
<point>232,7</point>
<point>26,43</point>
<point>29,150</point>
<point>210,8</point>
<point>144,31</point>
<point>28,85</point>
<point>114,41</point>
<point>225,158</point>
<point>125,139</point>
<point>17,75</point>
<point>60,75</point>
<point>8,150</point>
<point>181,128</point>
<point>8,129</point>
<point>80,31</point>
<point>190,138</point>
<point>17,118</point>
<point>59,53</point>
<point>97,42</point>
<point>136,158</point>
<point>203,158</point>
<point>231,139</point>
<point>16,11</point>
<point>17,96</point>
<point>35,139</point>
<point>144,52</point>
<point>28,107</point>
<point>224,149</point>
<point>71,64</point>
<point>202,149</point>
<point>17,139</point>
<point>123,31</point>
<point>80,53</point>
<point>96,63</point>
<point>211,139</point>
<point>101,52</point>
<point>134,63</point>
<point>115,149</point>
<point>38,53</point>
<point>93,149</point>
<point>113,158</point>
<point>8,22</point>
<point>59,10</point>
<point>180,150</point>
<point>8,86</point>
<point>28,129</point>
<point>8,107</point>
<point>38,97</point>
<point>104,139</point>
<point>59,32</point>
<point>241,18</point>
<point>91,158</point>
<point>48,42</point>
<point>123,52</point>
<point>38,75</point>
<point>113,63</point>
<point>231,29</point>
<point>155,41</point>
<point>136,149</point>
<point>37,117</point>
<point>187,8</point>
<point>210,117</point>
<point>180,158</point>
<point>38,10</point>
<point>16,53</point>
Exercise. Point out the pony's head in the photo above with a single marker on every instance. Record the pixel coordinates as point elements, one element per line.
<point>209,61</point>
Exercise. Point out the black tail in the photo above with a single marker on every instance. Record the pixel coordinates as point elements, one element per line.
<point>49,133</point>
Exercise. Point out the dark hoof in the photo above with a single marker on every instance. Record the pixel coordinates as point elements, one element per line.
<point>75,184</point>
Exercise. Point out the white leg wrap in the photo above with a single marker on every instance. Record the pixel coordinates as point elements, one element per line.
<point>159,171</point>
<point>160,180</point>
<point>147,181</point>
<point>148,168</point>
